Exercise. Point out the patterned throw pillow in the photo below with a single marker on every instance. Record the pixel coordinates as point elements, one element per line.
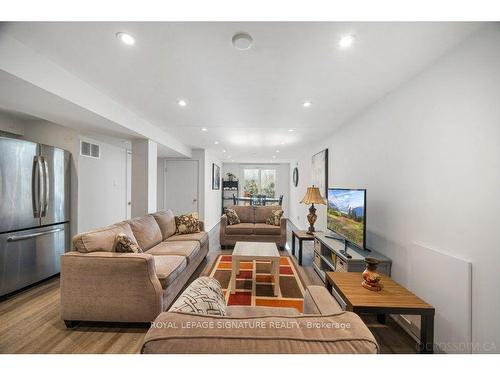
<point>275,218</point>
<point>203,296</point>
<point>188,223</point>
<point>232,216</point>
<point>125,244</point>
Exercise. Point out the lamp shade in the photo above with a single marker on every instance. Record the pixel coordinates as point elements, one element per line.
<point>313,196</point>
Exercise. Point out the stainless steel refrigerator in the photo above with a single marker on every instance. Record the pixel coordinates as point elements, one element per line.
<point>34,212</point>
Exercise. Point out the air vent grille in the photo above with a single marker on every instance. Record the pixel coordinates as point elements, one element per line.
<point>90,150</point>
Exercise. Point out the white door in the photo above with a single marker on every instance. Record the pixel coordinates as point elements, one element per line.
<point>181,186</point>
<point>129,184</point>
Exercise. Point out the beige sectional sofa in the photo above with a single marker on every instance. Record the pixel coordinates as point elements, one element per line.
<point>98,284</point>
<point>323,328</point>
<point>252,227</point>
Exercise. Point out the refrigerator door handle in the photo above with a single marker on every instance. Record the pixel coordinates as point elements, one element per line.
<point>28,236</point>
<point>45,187</point>
<point>35,187</point>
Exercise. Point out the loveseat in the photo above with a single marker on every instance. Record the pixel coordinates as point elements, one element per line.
<point>323,328</point>
<point>98,284</point>
<point>252,226</point>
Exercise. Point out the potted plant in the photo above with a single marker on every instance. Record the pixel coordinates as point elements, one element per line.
<point>230,176</point>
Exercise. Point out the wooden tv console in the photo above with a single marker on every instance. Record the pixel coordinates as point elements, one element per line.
<point>328,256</point>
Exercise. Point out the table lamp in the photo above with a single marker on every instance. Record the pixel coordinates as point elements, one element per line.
<point>312,196</point>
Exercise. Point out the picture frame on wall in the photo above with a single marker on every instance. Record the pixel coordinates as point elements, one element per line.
<point>319,168</point>
<point>215,177</point>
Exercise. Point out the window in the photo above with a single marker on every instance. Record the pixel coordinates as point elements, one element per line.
<point>259,181</point>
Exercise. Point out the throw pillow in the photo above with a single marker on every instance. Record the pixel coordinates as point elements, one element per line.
<point>188,223</point>
<point>125,244</point>
<point>203,296</point>
<point>275,218</point>
<point>232,216</point>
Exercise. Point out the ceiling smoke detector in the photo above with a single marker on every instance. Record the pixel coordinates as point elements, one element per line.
<point>242,41</point>
<point>126,38</point>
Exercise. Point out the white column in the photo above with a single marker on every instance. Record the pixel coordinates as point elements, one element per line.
<point>144,177</point>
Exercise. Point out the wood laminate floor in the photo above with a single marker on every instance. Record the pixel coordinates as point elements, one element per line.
<point>30,321</point>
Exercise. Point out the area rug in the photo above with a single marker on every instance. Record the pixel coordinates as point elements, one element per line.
<point>254,284</point>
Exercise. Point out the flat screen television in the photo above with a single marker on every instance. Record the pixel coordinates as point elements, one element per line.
<point>346,214</point>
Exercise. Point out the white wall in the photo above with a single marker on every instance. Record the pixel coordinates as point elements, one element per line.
<point>11,124</point>
<point>213,198</point>
<point>102,193</point>
<point>282,178</point>
<point>429,156</point>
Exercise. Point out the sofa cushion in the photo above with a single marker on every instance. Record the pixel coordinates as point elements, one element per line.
<point>275,217</point>
<point>203,296</point>
<point>146,231</point>
<point>101,239</point>
<point>263,212</point>
<point>242,228</point>
<point>267,229</point>
<point>125,244</point>
<point>186,224</point>
<point>168,268</point>
<point>346,334</point>
<point>201,237</point>
<point>188,249</point>
<point>166,222</point>
<point>232,216</point>
<point>245,213</point>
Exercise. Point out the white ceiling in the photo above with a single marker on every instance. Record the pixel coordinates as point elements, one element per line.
<point>247,99</point>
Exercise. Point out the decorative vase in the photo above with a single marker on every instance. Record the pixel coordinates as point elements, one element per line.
<point>312,219</point>
<point>371,279</point>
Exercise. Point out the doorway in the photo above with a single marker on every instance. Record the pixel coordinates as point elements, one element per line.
<point>128,173</point>
<point>181,186</point>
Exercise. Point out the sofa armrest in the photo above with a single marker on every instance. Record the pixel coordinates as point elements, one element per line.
<point>317,300</point>
<point>283,230</point>
<point>109,286</point>
<point>223,223</point>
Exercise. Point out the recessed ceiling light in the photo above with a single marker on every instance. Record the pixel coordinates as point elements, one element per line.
<point>204,129</point>
<point>277,151</point>
<point>307,104</point>
<point>223,150</point>
<point>125,38</point>
<point>216,142</point>
<point>242,41</point>
<point>290,130</point>
<point>346,41</point>
<point>182,103</point>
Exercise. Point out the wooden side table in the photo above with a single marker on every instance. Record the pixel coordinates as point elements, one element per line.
<point>392,299</point>
<point>301,235</point>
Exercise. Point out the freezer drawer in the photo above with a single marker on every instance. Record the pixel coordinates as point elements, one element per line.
<point>31,255</point>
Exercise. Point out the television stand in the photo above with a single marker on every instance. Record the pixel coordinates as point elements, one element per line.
<point>344,252</point>
<point>330,254</point>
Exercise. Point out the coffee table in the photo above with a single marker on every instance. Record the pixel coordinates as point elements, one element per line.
<point>392,299</point>
<point>252,251</point>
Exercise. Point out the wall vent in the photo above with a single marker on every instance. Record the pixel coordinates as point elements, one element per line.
<point>90,150</point>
